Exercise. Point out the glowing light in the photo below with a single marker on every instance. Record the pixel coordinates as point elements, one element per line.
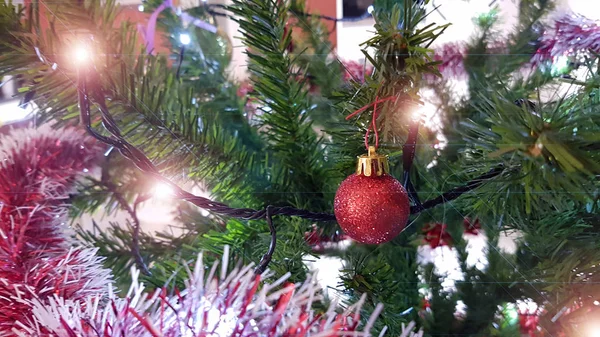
<point>141,8</point>
<point>370,9</point>
<point>162,191</point>
<point>81,54</point>
<point>593,330</point>
<point>596,303</point>
<point>512,313</point>
<point>416,115</point>
<point>185,39</point>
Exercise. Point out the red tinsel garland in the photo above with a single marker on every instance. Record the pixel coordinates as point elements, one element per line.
<point>229,304</point>
<point>37,170</point>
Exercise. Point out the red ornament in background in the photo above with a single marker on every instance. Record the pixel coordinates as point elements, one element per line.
<point>436,235</point>
<point>472,227</point>
<point>528,323</point>
<point>356,71</point>
<point>317,240</point>
<point>371,206</point>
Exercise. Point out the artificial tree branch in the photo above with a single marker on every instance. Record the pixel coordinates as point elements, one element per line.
<point>145,165</point>
<point>135,238</point>
<point>142,162</point>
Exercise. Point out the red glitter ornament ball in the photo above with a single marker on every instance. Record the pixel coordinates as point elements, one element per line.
<point>371,206</point>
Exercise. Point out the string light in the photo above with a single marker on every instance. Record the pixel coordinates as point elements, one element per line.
<point>185,39</point>
<point>417,115</point>
<point>162,191</point>
<point>370,9</point>
<point>82,54</point>
<point>141,8</point>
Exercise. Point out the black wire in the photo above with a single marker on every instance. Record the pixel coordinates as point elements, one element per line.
<point>266,259</point>
<point>181,55</point>
<point>458,191</point>
<point>140,160</point>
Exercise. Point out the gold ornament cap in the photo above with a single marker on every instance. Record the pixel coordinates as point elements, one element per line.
<point>372,164</point>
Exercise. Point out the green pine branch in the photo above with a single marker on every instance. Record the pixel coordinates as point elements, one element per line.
<point>296,163</point>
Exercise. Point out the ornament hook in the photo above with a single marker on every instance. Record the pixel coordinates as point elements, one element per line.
<point>372,164</point>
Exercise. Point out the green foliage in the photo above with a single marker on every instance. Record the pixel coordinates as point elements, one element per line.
<point>401,57</point>
<point>290,138</point>
<point>551,140</point>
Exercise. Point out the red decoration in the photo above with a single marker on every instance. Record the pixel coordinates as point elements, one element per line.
<point>245,89</point>
<point>317,240</point>
<point>436,235</point>
<point>372,209</point>
<point>451,57</point>
<point>356,71</point>
<point>528,322</point>
<point>425,304</point>
<point>472,227</point>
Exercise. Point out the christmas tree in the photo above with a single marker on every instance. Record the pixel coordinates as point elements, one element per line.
<point>514,154</point>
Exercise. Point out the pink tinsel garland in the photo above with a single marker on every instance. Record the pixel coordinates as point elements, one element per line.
<point>572,34</point>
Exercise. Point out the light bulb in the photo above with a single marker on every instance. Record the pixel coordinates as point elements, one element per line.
<point>141,8</point>
<point>370,9</point>
<point>162,191</point>
<point>81,54</point>
<point>185,39</point>
<point>416,115</point>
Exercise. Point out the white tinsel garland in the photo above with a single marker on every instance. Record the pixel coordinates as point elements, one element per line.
<point>230,304</point>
